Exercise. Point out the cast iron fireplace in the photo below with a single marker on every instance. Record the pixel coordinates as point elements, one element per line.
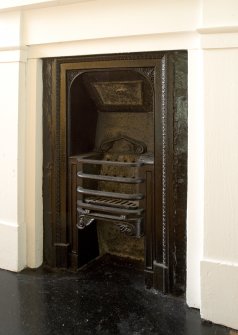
<point>115,162</point>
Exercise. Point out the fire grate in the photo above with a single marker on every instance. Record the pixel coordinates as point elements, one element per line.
<point>111,185</point>
<point>117,203</point>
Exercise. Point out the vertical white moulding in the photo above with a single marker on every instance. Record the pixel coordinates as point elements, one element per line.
<point>195,202</point>
<point>34,159</point>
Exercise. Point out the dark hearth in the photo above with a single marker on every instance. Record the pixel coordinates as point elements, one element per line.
<point>105,298</point>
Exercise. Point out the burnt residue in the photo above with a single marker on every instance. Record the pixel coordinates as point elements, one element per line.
<point>112,241</point>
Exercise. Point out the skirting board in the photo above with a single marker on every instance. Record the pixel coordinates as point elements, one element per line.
<point>219,292</point>
<point>9,252</point>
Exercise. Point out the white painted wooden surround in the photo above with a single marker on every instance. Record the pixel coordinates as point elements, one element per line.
<point>33,29</point>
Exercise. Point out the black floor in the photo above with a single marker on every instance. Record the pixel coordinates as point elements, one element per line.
<point>105,298</point>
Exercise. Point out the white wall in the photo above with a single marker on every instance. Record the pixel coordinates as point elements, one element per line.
<point>11,223</point>
<point>195,200</point>
<point>10,30</point>
<point>220,263</point>
<point>208,29</point>
<point>106,18</point>
<point>221,13</point>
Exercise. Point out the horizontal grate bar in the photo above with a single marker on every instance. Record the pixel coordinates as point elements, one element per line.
<point>116,179</point>
<point>108,162</point>
<point>108,209</point>
<point>108,217</point>
<point>126,196</point>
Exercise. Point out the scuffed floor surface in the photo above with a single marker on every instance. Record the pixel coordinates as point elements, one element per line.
<point>105,298</point>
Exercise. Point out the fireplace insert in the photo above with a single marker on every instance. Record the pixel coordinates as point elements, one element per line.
<point>105,200</point>
<point>115,162</point>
